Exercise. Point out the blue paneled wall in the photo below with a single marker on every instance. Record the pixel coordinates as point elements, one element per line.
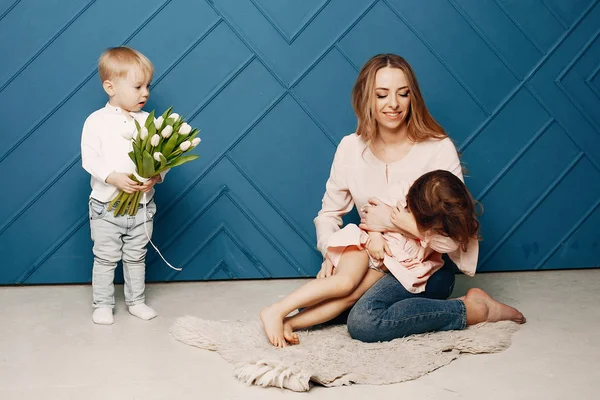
<point>515,83</point>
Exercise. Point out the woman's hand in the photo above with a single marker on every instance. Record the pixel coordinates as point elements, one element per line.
<point>326,269</point>
<point>376,216</point>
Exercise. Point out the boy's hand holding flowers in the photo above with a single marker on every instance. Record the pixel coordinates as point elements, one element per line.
<point>123,182</point>
<point>158,145</point>
<point>145,187</point>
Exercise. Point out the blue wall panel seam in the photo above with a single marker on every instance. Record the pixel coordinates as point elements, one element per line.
<point>147,21</point>
<point>224,153</point>
<point>309,21</point>
<point>199,249</point>
<point>438,57</point>
<point>566,237</point>
<point>45,118</point>
<point>331,46</point>
<point>589,81</point>
<point>221,265</point>
<point>223,85</point>
<point>39,193</point>
<point>519,26</point>
<point>310,115</point>
<point>572,137</point>
<point>531,209</point>
<point>9,9</point>
<point>272,241</point>
<point>187,51</point>
<point>45,46</point>
<point>579,107</point>
<point>70,164</point>
<point>278,209</point>
<point>271,22</point>
<point>469,139</point>
<point>275,25</point>
<point>249,255</point>
<point>483,37</point>
<point>343,53</point>
<point>516,158</point>
<point>593,74</point>
<point>556,16</point>
<point>221,229</point>
<point>578,56</point>
<point>52,249</point>
<point>191,220</point>
<point>594,89</point>
<point>248,43</point>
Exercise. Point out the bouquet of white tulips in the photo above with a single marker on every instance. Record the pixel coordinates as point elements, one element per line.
<point>157,146</point>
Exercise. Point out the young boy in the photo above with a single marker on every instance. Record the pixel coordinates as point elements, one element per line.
<point>105,143</point>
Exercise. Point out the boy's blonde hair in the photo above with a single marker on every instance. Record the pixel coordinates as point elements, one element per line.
<point>117,62</point>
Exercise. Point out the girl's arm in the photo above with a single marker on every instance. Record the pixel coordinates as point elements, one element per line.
<point>405,223</point>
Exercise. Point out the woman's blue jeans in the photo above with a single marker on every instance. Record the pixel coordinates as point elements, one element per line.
<point>388,311</point>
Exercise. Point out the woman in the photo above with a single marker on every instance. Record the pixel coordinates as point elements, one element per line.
<point>396,141</point>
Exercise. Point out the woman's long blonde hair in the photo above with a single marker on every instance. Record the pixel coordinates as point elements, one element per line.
<point>421,125</point>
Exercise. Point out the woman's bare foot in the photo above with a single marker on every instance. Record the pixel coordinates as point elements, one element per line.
<point>273,325</point>
<point>289,335</point>
<point>481,307</point>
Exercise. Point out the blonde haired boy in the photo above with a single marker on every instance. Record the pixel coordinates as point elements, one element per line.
<point>105,143</point>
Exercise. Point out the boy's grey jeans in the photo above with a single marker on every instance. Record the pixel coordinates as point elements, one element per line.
<point>115,239</point>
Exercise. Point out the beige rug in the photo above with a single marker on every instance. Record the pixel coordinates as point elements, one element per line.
<point>329,357</point>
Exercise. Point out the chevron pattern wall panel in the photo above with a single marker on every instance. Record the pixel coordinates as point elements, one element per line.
<point>515,83</point>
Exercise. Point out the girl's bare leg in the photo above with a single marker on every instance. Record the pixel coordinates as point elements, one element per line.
<point>328,309</point>
<point>351,269</point>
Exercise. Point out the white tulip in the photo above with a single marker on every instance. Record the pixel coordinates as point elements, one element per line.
<point>185,145</point>
<point>143,133</point>
<point>185,129</point>
<point>127,135</point>
<point>158,122</point>
<point>155,140</point>
<point>167,131</point>
<point>157,156</point>
<point>195,142</point>
<point>175,116</point>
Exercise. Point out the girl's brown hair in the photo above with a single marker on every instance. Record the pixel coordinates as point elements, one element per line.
<point>421,125</point>
<point>440,202</point>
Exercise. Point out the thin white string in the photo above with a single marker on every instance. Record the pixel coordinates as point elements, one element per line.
<point>143,180</point>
